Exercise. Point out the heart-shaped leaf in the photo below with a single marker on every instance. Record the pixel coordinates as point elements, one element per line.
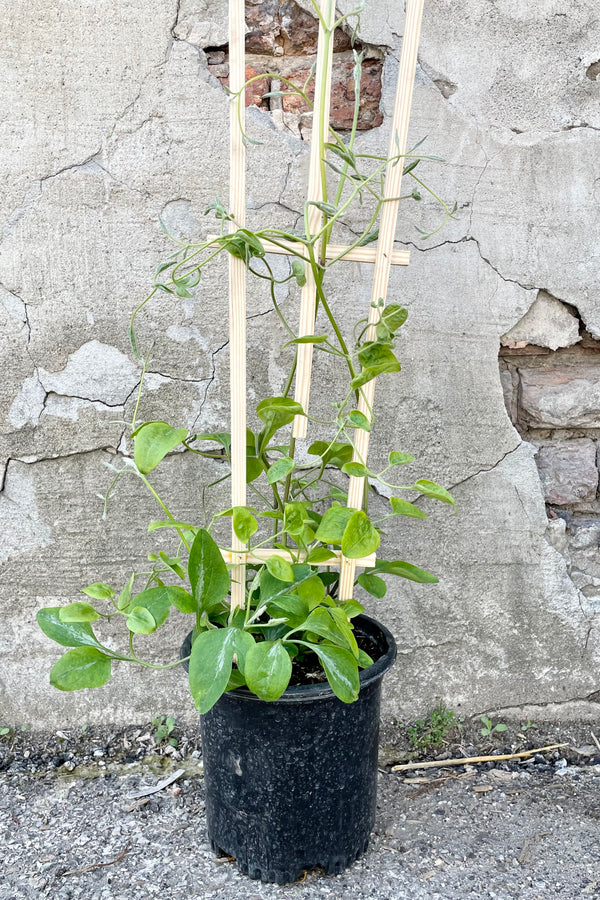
<point>84,667</point>
<point>280,568</point>
<point>268,669</point>
<point>333,525</point>
<point>153,441</point>
<point>360,538</point>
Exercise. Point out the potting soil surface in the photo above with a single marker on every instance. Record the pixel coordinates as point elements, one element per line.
<point>71,827</point>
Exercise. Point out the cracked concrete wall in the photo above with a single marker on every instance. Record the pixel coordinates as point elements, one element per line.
<point>114,118</point>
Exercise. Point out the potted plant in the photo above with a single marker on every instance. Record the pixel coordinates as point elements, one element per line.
<point>287,685</point>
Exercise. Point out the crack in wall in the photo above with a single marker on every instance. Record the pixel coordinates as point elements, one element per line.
<point>487,469</point>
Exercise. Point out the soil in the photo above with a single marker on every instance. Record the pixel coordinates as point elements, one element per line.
<point>309,671</point>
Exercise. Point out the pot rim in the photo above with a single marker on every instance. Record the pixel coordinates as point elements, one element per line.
<point>309,692</point>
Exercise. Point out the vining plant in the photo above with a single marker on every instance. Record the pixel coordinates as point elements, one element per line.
<point>292,616</point>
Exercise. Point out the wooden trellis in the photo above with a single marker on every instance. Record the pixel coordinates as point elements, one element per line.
<point>383,257</point>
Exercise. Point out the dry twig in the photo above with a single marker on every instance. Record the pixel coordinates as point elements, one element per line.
<point>440,764</point>
<point>93,866</point>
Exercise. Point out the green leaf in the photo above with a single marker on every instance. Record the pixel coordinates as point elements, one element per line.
<point>292,607</point>
<point>170,523</point>
<point>369,238</point>
<point>321,621</point>
<point>399,459</point>
<point>341,669</point>
<point>404,508</point>
<point>219,437</point>
<point>352,608</point>
<point>394,316</point>
<point>364,660</point>
<point>244,523</point>
<point>308,339</point>
<point>375,359</point>
<point>68,634</point>
<point>280,470</point>
<point>78,612</point>
<point>312,591</point>
<point>271,588</point>
<point>207,572</point>
<point>333,525</point>
<point>299,272</point>
<point>343,152</point>
<point>335,454</point>
<point>99,591</point>
<point>355,469</point>
<point>403,570</point>
<point>243,642</point>
<point>268,669</point>
<point>320,555</point>
<point>433,490</point>
<point>280,568</point>
<point>360,538</point>
<point>125,595</point>
<point>328,208</point>
<point>84,667</point>
<point>152,442</point>
<point>156,600</point>
<point>276,412</point>
<point>141,621</point>
<point>182,599</point>
<point>372,585</point>
<point>294,518</point>
<point>358,420</point>
<point>173,563</point>
<point>210,665</point>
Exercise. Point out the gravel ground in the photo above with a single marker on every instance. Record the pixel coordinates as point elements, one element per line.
<point>509,830</point>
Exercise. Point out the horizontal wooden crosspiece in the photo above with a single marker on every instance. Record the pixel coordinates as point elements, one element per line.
<point>333,251</point>
<point>261,554</point>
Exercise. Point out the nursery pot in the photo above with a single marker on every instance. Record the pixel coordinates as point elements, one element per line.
<point>292,784</point>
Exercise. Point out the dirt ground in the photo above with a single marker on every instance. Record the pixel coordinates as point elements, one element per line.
<point>527,828</point>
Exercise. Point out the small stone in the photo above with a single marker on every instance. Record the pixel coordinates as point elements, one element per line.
<point>568,471</point>
<point>547,323</point>
<point>584,536</point>
<point>215,57</point>
<point>556,533</point>
<point>561,398</point>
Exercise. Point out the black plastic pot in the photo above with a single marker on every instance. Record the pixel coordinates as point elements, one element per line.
<point>292,785</point>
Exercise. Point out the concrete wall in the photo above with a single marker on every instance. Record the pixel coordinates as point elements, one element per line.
<point>112,117</point>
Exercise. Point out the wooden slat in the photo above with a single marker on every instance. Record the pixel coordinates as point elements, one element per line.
<point>263,553</point>
<point>315,217</point>
<point>387,227</point>
<point>359,254</point>
<point>237,287</point>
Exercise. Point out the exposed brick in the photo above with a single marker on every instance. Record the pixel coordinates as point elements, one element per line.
<point>282,39</point>
<point>561,398</point>
<point>568,471</point>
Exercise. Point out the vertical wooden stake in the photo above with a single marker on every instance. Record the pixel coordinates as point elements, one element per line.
<point>385,244</point>
<point>314,216</point>
<point>237,288</point>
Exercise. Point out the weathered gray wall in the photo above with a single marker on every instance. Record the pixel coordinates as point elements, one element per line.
<point>110,117</point>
